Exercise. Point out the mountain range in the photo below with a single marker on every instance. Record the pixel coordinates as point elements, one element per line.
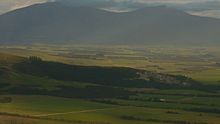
<point>58,23</point>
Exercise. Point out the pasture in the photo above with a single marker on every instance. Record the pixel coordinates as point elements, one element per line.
<point>199,63</point>
<point>42,97</point>
<point>42,109</point>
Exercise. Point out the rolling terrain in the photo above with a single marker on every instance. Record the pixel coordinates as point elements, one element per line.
<point>52,78</point>
<point>38,91</point>
<point>62,62</point>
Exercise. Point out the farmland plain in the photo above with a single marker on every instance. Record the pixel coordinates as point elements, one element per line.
<point>133,104</point>
<point>199,63</point>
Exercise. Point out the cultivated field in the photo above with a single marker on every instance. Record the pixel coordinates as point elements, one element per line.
<point>199,63</point>
<point>42,109</point>
<point>35,91</point>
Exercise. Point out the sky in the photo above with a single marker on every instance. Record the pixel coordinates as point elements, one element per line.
<point>209,8</point>
<point>8,5</point>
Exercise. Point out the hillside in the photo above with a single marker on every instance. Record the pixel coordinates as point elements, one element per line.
<point>38,91</point>
<point>58,23</point>
<point>57,79</point>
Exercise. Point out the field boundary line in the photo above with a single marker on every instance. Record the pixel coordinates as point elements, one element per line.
<point>76,112</point>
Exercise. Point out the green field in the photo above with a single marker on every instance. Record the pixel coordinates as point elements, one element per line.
<point>200,63</point>
<point>78,84</point>
<point>39,109</point>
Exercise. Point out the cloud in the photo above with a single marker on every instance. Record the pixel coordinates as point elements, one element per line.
<point>201,6</point>
<point>208,13</point>
<point>26,3</point>
<point>8,5</point>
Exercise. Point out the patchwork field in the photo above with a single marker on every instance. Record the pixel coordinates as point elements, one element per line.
<point>42,109</point>
<point>199,63</point>
<point>78,84</point>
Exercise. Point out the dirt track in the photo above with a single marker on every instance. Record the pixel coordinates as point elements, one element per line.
<point>75,112</point>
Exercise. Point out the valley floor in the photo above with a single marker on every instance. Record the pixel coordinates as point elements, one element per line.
<point>200,63</point>
<point>44,92</point>
<point>46,110</point>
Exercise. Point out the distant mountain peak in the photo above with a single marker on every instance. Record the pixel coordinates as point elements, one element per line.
<point>56,22</point>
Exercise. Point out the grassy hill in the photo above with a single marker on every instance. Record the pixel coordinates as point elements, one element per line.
<point>37,91</point>
<point>34,76</point>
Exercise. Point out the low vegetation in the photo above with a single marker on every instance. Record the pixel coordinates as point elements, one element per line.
<point>126,94</point>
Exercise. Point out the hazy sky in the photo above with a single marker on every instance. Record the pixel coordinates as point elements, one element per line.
<point>198,7</point>
<point>7,5</point>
